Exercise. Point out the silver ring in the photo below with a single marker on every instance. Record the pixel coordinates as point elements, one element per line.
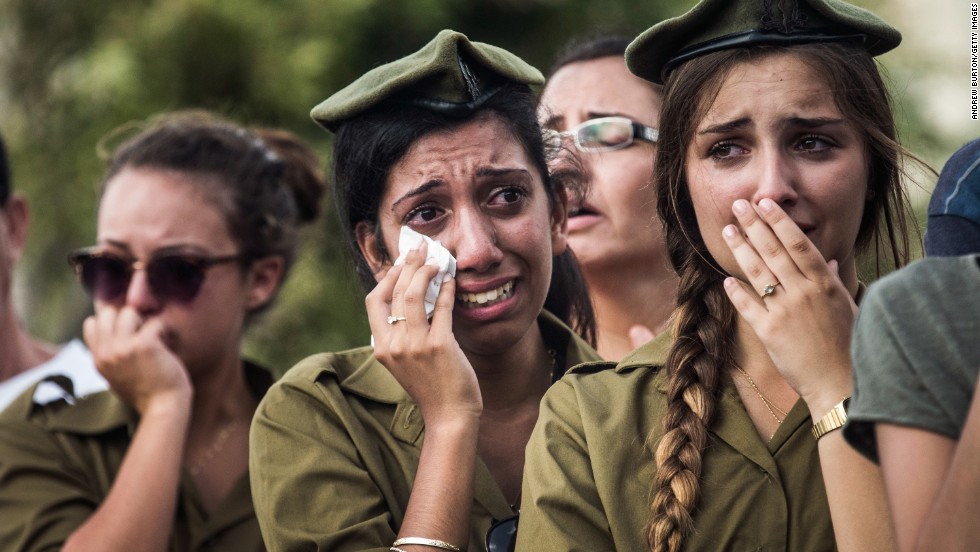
<point>392,319</point>
<point>769,290</point>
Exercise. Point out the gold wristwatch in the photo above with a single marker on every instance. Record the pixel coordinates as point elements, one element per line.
<point>832,420</point>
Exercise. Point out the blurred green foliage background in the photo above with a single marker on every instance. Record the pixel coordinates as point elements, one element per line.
<point>71,71</point>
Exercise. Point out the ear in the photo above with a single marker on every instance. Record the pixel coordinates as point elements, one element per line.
<point>559,222</point>
<point>264,278</point>
<point>15,218</point>
<point>371,248</point>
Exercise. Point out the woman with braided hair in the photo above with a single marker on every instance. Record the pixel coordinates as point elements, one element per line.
<point>777,166</point>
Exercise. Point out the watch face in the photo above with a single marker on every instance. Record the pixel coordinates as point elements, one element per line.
<point>847,404</point>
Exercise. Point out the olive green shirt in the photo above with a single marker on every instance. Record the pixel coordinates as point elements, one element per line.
<point>589,468</point>
<point>335,446</point>
<point>58,461</point>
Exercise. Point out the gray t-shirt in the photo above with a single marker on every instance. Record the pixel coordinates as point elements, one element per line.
<point>916,350</point>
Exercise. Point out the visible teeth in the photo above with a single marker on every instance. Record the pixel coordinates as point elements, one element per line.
<point>485,297</point>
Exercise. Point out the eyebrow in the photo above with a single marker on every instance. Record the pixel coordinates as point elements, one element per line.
<point>724,128</point>
<point>804,122</point>
<point>114,243</point>
<point>814,122</point>
<point>554,120</point>
<point>485,172</point>
<point>165,250</point>
<point>424,188</point>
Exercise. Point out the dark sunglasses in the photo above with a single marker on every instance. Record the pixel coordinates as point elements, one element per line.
<point>502,535</point>
<point>172,277</point>
<point>604,134</point>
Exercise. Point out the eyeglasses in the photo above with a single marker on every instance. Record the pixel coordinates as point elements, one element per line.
<point>171,276</point>
<point>502,535</point>
<point>604,134</point>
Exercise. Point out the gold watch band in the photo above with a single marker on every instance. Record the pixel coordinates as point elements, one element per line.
<point>832,420</point>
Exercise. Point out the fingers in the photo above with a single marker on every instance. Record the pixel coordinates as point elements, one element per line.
<point>748,304</point>
<point>773,249</point>
<point>442,315</point>
<point>756,271</point>
<point>794,241</point>
<point>378,302</point>
<point>401,294</point>
<point>408,299</point>
<point>761,253</point>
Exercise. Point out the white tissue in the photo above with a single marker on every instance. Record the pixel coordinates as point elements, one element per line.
<point>437,256</point>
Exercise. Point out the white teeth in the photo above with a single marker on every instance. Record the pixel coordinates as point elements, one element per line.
<point>485,297</point>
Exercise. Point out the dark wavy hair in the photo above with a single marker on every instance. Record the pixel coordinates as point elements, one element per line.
<point>705,320</point>
<point>368,146</point>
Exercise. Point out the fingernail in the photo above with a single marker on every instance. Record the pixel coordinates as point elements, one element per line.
<point>729,282</point>
<point>766,205</point>
<point>740,207</point>
<point>730,231</point>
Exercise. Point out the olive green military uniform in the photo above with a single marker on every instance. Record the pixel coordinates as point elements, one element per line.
<point>335,447</point>
<point>58,462</point>
<point>589,470</point>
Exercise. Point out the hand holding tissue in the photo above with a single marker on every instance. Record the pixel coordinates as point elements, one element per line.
<point>437,256</point>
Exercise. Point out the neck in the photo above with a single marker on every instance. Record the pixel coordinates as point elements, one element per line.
<point>751,355</point>
<point>221,396</point>
<point>516,377</point>
<point>20,351</point>
<point>647,300</point>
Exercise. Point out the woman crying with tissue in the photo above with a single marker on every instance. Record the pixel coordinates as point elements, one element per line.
<point>417,443</point>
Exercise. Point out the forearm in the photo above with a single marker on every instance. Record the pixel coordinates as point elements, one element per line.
<point>856,495</point>
<point>138,512</point>
<point>951,521</point>
<point>442,495</point>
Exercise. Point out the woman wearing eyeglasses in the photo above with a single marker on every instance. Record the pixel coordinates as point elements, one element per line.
<point>197,227</point>
<point>609,119</point>
<point>417,444</point>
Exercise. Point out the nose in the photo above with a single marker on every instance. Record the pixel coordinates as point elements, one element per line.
<point>474,241</point>
<point>140,296</point>
<point>778,178</point>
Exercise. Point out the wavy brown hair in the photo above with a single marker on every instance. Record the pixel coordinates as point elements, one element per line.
<point>705,320</point>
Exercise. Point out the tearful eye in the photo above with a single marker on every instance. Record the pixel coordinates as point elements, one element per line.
<point>724,150</point>
<point>507,196</point>
<point>510,196</point>
<point>813,144</point>
<point>422,215</point>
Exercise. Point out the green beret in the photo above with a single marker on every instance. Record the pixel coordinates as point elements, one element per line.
<point>450,74</point>
<point>714,25</point>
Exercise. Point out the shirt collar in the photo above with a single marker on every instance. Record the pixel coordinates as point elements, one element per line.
<point>104,412</point>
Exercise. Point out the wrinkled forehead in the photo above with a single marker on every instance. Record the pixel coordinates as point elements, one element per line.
<point>482,145</point>
<point>776,85</point>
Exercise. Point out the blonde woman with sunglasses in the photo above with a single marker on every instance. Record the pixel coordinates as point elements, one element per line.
<point>607,119</point>
<point>196,230</point>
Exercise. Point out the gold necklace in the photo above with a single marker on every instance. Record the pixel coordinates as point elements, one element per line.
<point>765,400</point>
<point>217,446</point>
